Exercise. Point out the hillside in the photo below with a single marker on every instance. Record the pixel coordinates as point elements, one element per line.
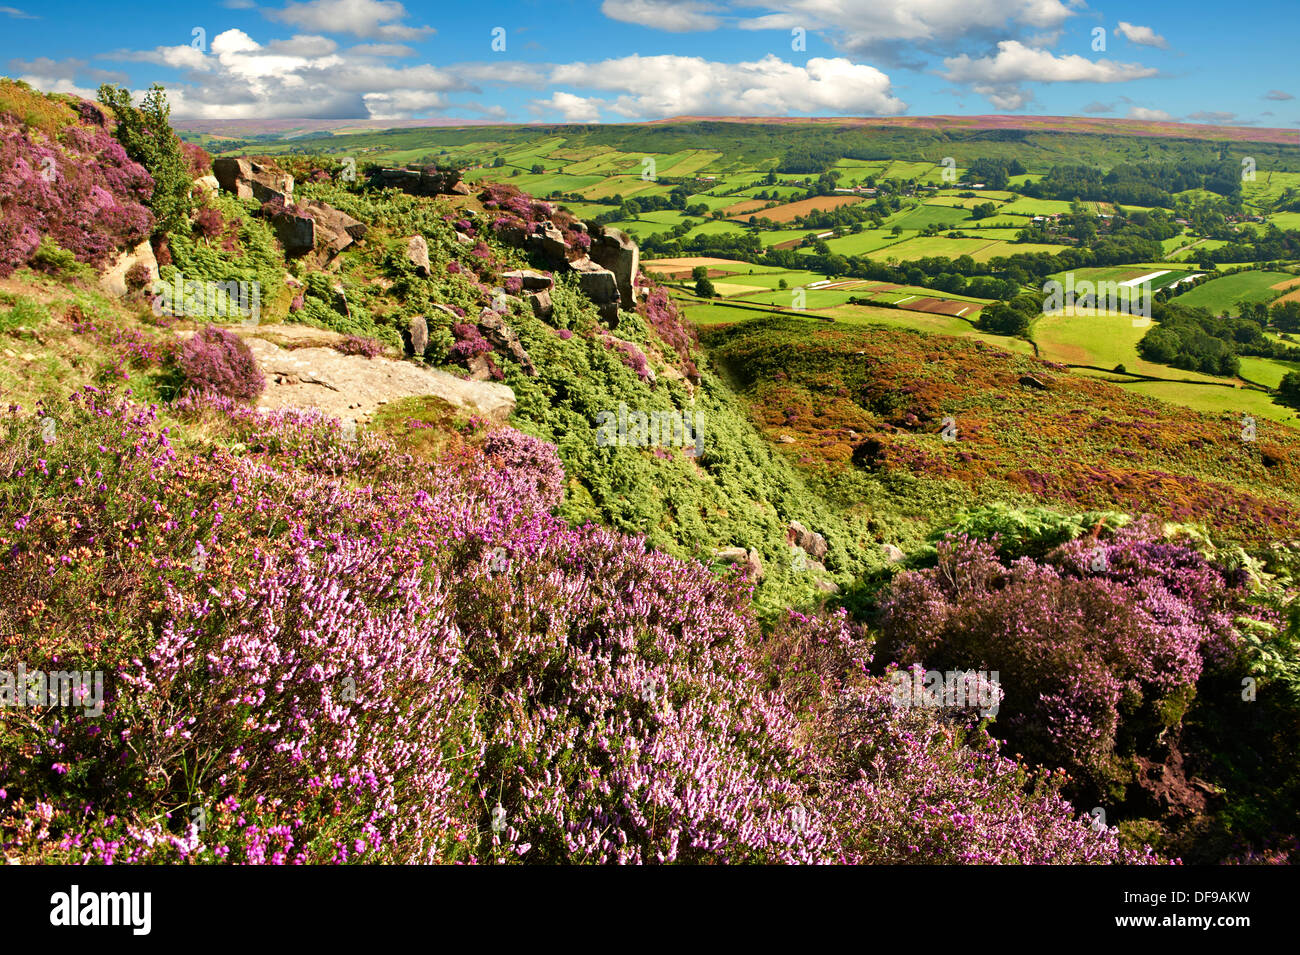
<point>404,517</point>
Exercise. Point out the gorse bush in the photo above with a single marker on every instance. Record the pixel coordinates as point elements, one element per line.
<point>216,360</point>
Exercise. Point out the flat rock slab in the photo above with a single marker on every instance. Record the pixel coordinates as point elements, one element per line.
<point>352,386</point>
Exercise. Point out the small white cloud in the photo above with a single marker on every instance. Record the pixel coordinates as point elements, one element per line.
<point>1142,36</point>
<point>574,109</point>
<point>381,49</point>
<point>303,46</point>
<point>1099,107</point>
<point>1211,116</point>
<point>1141,112</point>
<point>675,16</point>
<point>368,19</point>
<point>17,14</point>
<point>1278,95</point>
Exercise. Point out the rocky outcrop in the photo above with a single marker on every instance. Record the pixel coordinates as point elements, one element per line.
<point>426,181</point>
<point>417,330</point>
<point>892,554</point>
<point>246,179</point>
<point>316,227</point>
<point>739,555</point>
<point>531,281</point>
<point>1029,381</point>
<point>548,241</point>
<point>811,543</point>
<point>206,184</point>
<point>353,386</point>
<point>617,252</point>
<point>599,285</point>
<point>417,253</point>
<point>113,281</point>
<point>492,325</point>
<point>542,305</point>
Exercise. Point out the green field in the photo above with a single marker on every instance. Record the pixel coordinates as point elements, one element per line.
<point>1223,294</point>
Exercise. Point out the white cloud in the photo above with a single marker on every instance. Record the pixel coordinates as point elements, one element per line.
<point>50,71</point>
<point>399,104</point>
<point>303,46</point>
<point>662,86</point>
<point>178,57</point>
<point>381,49</point>
<point>302,77</point>
<point>1211,116</point>
<point>17,14</point>
<point>1141,112</point>
<point>368,19</point>
<point>574,109</point>
<point>675,16</point>
<point>999,77</point>
<point>1278,95</point>
<point>1099,107</point>
<point>1143,36</point>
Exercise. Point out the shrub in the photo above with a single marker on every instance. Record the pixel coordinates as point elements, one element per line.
<point>208,222</point>
<point>218,361</point>
<point>80,192</point>
<point>1099,646</point>
<point>198,162</point>
<point>137,277</point>
<point>531,457</point>
<point>146,135</point>
<point>359,345</point>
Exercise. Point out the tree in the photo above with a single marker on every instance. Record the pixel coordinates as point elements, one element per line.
<point>704,288</point>
<point>896,230</point>
<point>782,284</point>
<point>1003,319</point>
<point>537,169</point>
<point>146,135</point>
<point>1288,392</point>
<point>700,272</point>
<point>498,162</point>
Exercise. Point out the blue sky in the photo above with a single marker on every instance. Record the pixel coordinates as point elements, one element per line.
<point>629,60</point>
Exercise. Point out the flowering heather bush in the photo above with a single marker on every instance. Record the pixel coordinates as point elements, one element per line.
<point>197,160</point>
<point>1095,663</point>
<point>910,784</point>
<point>81,191</point>
<point>633,356</point>
<point>366,665</point>
<point>216,360</point>
<point>469,342</point>
<point>137,277</point>
<point>208,222</point>
<point>664,318</point>
<point>527,455</point>
<point>359,345</point>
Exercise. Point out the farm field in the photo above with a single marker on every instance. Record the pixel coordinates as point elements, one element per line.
<point>791,210</point>
<point>1222,294</point>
